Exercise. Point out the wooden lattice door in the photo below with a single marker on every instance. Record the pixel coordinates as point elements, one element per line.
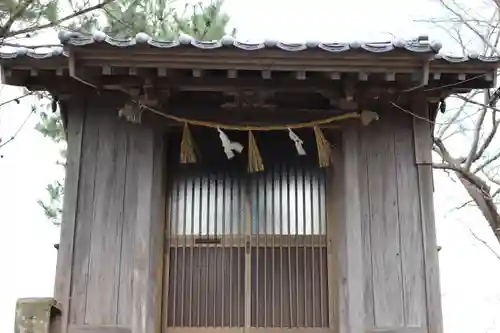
<point>247,252</point>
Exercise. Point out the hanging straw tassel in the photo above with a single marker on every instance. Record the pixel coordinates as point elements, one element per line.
<point>254,159</point>
<point>324,148</point>
<point>188,154</point>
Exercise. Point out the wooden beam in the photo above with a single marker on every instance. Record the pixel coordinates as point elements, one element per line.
<point>76,71</point>
<point>349,89</point>
<point>407,329</point>
<point>227,84</point>
<point>223,60</point>
<point>98,329</point>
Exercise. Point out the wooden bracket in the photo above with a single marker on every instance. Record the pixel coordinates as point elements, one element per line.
<point>76,73</point>
<point>349,89</point>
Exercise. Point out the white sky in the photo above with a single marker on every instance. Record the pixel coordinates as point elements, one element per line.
<point>469,272</point>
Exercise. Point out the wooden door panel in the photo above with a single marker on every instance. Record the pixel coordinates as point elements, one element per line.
<point>247,251</point>
<point>205,287</point>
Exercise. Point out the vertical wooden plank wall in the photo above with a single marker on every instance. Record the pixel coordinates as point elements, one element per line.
<point>423,155</point>
<point>110,259</point>
<point>74,134</point>
<point>387,268</point>
<point>346,224</point>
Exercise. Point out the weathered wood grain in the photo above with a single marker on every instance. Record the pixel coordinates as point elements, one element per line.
<point>433,288</point>
<point>148,250</point>
<point>118,223</point>
<point>334,213</point>
<point>336,246</point>
<point>85,214</point>
<point>386,256</point>
<point>412,256</point>
<point>157,231</point>
<point>102,288</point>
<point>353,251</point>
<point>364,173</point>
<point>422,131</point>
<point>124,315</point>
<point>142,151</point>
<point>64,268</point>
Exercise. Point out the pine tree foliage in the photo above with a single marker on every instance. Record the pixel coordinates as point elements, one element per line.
<point>119,19</point>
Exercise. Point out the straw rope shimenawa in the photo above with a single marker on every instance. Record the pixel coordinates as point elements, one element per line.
<point>365,115</point>
<point>255,163</point>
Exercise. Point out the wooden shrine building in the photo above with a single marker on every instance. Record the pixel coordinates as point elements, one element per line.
<point>229,187</point>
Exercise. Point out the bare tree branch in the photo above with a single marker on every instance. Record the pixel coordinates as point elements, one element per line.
<point>471,101</point>
<point>457,114</point>
<point>487,162</point>
<point>495,253</point>
<point>471,27</point>
<point>477,189</point>
<point>16,98</point>
<point>478,170</point>
<point>3,144</point>
<point>489,138</point>
<point>477,133</point>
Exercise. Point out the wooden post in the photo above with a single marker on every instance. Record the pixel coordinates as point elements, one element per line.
<point>149,231</point>
<point>422,131</point>
<point>74,132</point>
<point>346,228</point>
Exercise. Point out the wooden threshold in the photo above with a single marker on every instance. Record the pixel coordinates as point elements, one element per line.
<point>250,330</point>
<point>98,329</point>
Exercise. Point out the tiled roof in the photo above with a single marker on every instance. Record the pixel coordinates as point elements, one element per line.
<point>228,42</point>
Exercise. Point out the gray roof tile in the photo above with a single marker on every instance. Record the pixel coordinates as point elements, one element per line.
<point>75,39</point>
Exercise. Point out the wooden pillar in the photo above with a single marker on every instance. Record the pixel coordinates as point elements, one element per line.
<point>74,135</point>
<point>346,222</point>
<point>422,131</point>
<point>149,231</point>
